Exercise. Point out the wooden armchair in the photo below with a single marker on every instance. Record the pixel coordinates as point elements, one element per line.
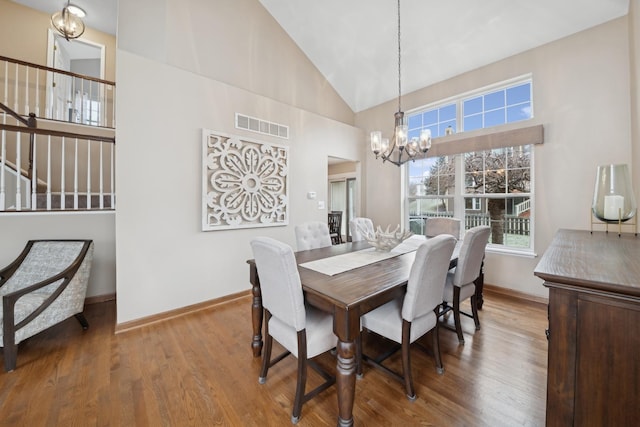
<point>45,285</point>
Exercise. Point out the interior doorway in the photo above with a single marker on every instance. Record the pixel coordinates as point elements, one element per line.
<point>69,98</point>
<point>344,191</point>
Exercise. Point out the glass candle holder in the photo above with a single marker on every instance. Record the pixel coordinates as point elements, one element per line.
<point>613,198</point>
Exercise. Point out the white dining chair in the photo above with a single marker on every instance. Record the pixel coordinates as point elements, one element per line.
<point>442,225</point>
<point>460,282</point>
<point>312,235</point>
<point>405,320</point>
<point>304,332</point>
<point>359,224</point>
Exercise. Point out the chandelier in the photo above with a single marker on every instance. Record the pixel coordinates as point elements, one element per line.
<point>400,150</point>
<point>67,22</point>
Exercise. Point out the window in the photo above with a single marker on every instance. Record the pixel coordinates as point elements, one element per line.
<point>491,186</point>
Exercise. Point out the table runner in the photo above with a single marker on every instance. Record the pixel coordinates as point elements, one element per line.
<point>352,260</point>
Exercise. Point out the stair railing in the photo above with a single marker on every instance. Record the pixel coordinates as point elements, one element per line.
<point>55,94</point>
<point>55,158</point>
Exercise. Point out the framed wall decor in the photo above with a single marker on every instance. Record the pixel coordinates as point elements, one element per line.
<point>245,182</point>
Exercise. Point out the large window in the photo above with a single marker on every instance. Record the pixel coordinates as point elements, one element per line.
<point>483,187</point>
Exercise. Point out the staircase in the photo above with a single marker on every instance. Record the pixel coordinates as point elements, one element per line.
<point>48,164</point>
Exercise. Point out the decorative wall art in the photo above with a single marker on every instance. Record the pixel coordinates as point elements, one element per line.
<point>245,183</point>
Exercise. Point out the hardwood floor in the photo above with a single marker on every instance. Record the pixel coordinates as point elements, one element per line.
<point>198,370</point>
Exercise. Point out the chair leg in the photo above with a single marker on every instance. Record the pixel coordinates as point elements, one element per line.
<point>406,360</point>
<point>10,352</point>
<point>302,377</point>
<point>435,335</point>
<point>474,311</point>
<point>266,351</point>
<point>83,321</point>
<point>456,313</point>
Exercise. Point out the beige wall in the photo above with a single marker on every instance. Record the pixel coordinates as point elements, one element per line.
<point>231,41</point>
<point>23,35</point>
<point>581,90</point>
<point>163,258</point>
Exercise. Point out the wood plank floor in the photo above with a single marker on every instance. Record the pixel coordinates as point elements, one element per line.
<point>198,370</point>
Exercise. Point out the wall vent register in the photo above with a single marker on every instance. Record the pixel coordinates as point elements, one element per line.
<point>261,126</point>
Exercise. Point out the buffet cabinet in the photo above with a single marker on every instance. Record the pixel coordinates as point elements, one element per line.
<point>593,376</point>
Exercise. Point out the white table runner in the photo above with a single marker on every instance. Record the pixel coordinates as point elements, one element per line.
<point>349,261</point>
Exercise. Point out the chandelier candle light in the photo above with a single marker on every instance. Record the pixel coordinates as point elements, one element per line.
<point>401,149</point>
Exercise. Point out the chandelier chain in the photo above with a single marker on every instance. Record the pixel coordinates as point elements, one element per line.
<point>399,68</point>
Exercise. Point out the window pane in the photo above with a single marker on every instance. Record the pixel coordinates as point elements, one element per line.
<point>473,122</point>
<point>494,118</point>
<point>519,112</point>
<point>419,209</point>
<point>494,100</point>
<point>448,112</point>
<point>495,176</point>
<point>415,121</point>
<point>519,94</point>
<point>430,117</point>
<point>472,106</point>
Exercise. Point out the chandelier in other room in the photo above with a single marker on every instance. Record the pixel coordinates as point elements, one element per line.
<point>400,150</point>
<point>68,21</point>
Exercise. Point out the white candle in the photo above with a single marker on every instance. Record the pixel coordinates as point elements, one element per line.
<point>612,205</point>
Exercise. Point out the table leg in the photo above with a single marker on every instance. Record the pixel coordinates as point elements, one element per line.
<point>256,312</point>
<point>479,284</point>
<point>346,382</point>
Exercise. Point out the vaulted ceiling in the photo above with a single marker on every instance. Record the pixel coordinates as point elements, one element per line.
<point>354,42</point>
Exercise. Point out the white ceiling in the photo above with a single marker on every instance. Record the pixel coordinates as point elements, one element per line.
<point>354,42</point>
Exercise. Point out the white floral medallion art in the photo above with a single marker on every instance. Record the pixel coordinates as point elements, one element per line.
<point>245,182</point>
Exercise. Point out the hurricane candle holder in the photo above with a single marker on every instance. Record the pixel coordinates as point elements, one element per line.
<point>613,198</point>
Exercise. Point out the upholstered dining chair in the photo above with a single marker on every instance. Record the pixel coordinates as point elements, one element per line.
<point>405,320</point>
<point>357,224</point>
<point>312,235</point>
<point>442,225</point>
<point>460,282</point>
<point>304,332</point>
<point>44,285</point>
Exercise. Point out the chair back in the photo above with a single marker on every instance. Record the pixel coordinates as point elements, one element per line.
<point>335,226</point>
<point>442,225</point>
<point>359,224</point>
<point>471,255</point>
<point>427,277</point>
<point>279,281</point>
<point>312,235</point>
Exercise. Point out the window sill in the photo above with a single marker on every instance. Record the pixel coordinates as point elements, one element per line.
<point>501,250</point>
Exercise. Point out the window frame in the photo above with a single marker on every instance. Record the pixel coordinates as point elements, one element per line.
<point>459,197</point>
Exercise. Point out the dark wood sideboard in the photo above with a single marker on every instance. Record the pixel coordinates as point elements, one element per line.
<point>593,374</point>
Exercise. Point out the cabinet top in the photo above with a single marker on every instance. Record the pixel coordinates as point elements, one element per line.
<point>599,261</point>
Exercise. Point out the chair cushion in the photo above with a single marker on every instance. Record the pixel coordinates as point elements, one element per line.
<point>387,321</point>
<point>319,330</point>
<point>466,291</point>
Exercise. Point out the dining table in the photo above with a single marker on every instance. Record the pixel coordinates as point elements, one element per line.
<point>333,283</point>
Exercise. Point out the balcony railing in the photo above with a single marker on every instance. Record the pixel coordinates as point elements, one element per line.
<point>55,94</point>
<point>48,170</point>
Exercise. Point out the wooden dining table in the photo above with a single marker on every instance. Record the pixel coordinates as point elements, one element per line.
<point>347,295</point>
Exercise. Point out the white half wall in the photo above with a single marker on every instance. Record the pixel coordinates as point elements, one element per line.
<point>16,229</point>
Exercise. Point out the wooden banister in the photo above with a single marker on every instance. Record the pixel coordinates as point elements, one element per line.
<point>56,70</point>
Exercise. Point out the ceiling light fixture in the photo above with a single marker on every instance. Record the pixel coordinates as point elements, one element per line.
<point>401,149</point>
<point>67,22</point>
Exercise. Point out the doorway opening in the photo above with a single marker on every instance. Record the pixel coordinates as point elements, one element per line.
<point>74,99</point>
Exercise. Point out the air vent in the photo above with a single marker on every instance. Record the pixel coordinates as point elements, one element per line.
<point>261,126</point>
